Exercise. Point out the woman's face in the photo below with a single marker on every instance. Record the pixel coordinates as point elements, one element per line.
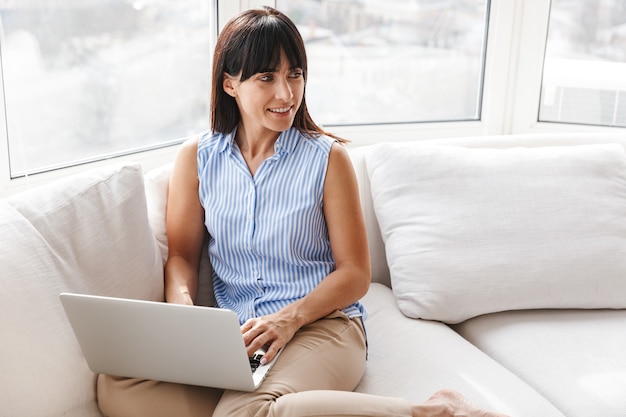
<point>268,101</point>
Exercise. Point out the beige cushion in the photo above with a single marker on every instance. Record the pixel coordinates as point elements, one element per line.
<point>475,231</point>
<point>88,234</point>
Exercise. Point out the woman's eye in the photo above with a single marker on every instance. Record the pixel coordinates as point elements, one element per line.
<point>296,74</point>
<point>266,77</point>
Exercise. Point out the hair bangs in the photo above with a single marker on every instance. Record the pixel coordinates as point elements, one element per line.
<point>261,49</point>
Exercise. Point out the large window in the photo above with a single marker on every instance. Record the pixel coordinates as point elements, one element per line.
<point>393,61</point>
<point>585,64</point>
<point>86,79</point>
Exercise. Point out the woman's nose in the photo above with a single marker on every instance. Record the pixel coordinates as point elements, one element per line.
<point>283,90</point>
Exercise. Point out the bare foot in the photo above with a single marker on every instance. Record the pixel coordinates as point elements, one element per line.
<point>448,403</point>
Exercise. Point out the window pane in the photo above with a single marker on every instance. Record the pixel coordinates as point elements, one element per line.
<point>392,61</point>
<point>584,78</point>
<point>85,79</point>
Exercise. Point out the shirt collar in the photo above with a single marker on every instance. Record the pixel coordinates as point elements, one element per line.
<point>227,141</point>
<point>286,142</point>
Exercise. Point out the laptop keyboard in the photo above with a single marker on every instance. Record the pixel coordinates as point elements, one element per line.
<point>255,361</point>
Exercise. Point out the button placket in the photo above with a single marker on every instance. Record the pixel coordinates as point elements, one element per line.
<point>254,265</point>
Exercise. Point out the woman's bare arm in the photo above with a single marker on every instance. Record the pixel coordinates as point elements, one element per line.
<point>185,227</point>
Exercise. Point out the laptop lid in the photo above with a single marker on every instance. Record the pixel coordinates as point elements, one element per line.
<point>161,341</point>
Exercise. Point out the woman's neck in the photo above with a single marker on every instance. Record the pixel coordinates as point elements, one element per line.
<point>255,148</point>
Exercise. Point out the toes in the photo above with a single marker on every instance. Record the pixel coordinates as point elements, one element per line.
<point>450,395</point>
<point>458,405</point>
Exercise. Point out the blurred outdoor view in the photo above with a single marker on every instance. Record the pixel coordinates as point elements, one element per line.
<point>585,64</point>
<point>85,79</point>
<point>393,61</point>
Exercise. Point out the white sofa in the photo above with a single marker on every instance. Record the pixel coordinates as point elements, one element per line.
<point>506,254</point>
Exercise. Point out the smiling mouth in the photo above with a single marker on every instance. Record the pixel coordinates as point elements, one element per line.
<point>281,110</point>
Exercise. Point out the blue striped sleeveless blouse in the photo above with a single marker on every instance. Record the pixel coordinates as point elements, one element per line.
<point>269,243</point>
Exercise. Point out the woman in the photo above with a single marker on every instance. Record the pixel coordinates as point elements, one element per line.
<point>288,243</point>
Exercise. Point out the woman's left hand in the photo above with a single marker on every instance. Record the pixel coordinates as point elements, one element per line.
<point>273,331</point>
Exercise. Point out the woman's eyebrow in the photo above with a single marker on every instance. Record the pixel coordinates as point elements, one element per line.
<point>269,70</point>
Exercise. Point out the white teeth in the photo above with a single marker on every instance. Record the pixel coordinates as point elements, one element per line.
<point>281,110</point>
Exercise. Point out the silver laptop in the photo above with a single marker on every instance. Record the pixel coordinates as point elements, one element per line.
<point>164,342</point>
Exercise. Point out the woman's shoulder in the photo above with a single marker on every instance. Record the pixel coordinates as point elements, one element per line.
<point>319,142</point>
<point>188,149</point>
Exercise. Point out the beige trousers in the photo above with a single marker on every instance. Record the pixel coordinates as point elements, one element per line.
<point>314,376</point>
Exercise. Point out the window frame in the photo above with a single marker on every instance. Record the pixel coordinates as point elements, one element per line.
<point>523,115</point>
<point>513,63</point>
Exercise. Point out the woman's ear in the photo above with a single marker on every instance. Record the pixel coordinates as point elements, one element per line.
<point>229,84</point>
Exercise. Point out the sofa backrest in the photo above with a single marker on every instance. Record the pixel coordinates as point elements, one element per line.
<point>380,271</point>
<point>156,188</point>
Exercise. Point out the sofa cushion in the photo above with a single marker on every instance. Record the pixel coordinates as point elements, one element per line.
<point>574,358</point>
<point>412,359</point>
<point>89,234</point>
<point>475,231</point>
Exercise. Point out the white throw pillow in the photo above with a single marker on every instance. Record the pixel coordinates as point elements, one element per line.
<point>157,185</point>
<point>475,231</point>
<point>157,190</point>
<point>87,233</point>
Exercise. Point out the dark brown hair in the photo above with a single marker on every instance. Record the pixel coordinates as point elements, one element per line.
<point>251,43</point>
